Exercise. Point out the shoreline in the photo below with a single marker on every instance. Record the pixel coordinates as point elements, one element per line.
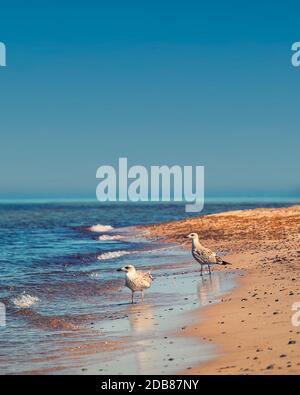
<point>251,326</point>
<point>126,338</point>
<point>143,338</point>
<point>191,324</point>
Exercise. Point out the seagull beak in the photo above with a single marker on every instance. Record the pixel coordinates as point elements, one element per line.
<point>121,269</point>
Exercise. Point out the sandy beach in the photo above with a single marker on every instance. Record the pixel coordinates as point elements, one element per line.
<point>251,326</point>
<point>236,321</point>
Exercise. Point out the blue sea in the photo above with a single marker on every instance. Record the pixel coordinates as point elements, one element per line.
<point>58,277</point>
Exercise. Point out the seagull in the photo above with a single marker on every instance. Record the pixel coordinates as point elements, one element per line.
<point>136,281</point>
<point>203,255</point>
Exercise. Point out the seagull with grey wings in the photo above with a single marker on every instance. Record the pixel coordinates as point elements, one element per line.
<point>203,255</point>
<point>135,280</point>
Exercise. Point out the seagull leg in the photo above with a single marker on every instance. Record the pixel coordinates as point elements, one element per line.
<point>201,270</point>
<point>143,296</point>
<point>209,269</point>
<point>132,297</point>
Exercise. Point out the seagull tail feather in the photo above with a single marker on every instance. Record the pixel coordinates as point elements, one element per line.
<point>220,261</point>
<point>225,263</point>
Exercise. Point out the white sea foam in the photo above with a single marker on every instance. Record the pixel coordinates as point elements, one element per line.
<point>94,275</point>
<point>112,255</point>
<point>25,300</point>
<point>100,228</point>
<point>110,237</point>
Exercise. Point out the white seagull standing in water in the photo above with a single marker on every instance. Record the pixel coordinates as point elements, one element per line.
<point>136,281</point>
<point>203,255</point>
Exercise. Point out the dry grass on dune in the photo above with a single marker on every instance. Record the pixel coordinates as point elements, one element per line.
<point>239,230</point>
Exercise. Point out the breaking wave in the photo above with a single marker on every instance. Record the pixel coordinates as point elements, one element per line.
<point>110,237</point>
<point>100,228</point>
<point>112,255</point>
<point>25,300</point>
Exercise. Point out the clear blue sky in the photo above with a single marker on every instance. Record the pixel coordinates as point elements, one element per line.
<point>161,82</point>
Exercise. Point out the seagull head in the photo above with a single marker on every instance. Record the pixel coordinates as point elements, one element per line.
<point>192,236</point>
<point>127,269</point>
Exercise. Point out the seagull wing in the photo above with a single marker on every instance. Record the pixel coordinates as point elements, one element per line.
<point>204,255</point>
<point>145,279</point>
<point>209,255</point>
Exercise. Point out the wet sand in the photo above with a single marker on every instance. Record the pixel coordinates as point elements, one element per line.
<point>144,339</point>
<point>139,338</point>
<point>252,326</point>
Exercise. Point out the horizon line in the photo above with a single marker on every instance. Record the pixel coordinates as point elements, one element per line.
<point>209,199</point>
